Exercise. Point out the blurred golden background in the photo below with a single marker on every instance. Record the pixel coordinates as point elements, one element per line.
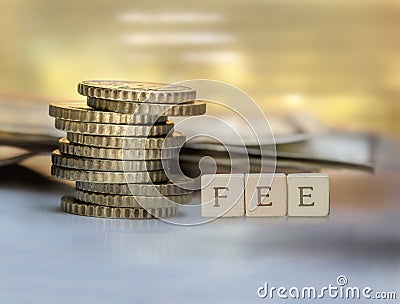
<point>337,59</point>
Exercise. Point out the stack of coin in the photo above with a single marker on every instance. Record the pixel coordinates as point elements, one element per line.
<point>118,147</point>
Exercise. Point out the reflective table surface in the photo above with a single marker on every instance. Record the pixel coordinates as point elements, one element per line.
<point>48,256</point>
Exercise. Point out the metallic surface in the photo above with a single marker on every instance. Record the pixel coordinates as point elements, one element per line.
<point>83,163</point>
<point>71,205</point>
<point>167,188</point>
<point>81,112</point>
<point>136,91</point>
<point>115,153</point>
<point>132,201</point>
<point>113,129</point>
<point>109,176</point>
<point>174,140</point>
<point>184,109</point>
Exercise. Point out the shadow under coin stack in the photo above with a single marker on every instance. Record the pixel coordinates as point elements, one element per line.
<point>118,145</point>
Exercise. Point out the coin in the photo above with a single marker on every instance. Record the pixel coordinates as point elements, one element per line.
<point>73,206</point>
<point>83,163</point>
<point>175,140</point>
<point>132,201</point>
<point>108,176</point>
<point>66,147</point>
<point>166,189</point>
<point>136,91</point>
<point>79,111</point>
<point>184,109</point>
<point>113,130</point>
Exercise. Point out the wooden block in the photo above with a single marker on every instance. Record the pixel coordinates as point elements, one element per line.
<point>265,194</point>
<point>308,194</point>
<point>222,195</point>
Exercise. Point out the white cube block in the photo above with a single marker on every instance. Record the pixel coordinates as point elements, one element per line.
<point>265,194</point>
<point>308,194</point>
<point>222,195</point>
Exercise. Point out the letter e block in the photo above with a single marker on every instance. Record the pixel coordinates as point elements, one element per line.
<point>222,195</point>
<point>308,194</point>
<point>265,194</point>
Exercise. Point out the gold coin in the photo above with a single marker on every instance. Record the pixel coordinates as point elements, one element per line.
<point>174,140</point>
<point>136,91</point>
<point>93,164</point>
<point>184,109</point>
<point>165,189</point>
<point>109,176</point>
<point>114,130</point>
<point>131,201</point>
<point>73,206</point>
<point>79,111</point>
<point>66,147</point>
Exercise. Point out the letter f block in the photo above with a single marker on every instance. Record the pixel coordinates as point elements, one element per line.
<point>222,195</point>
